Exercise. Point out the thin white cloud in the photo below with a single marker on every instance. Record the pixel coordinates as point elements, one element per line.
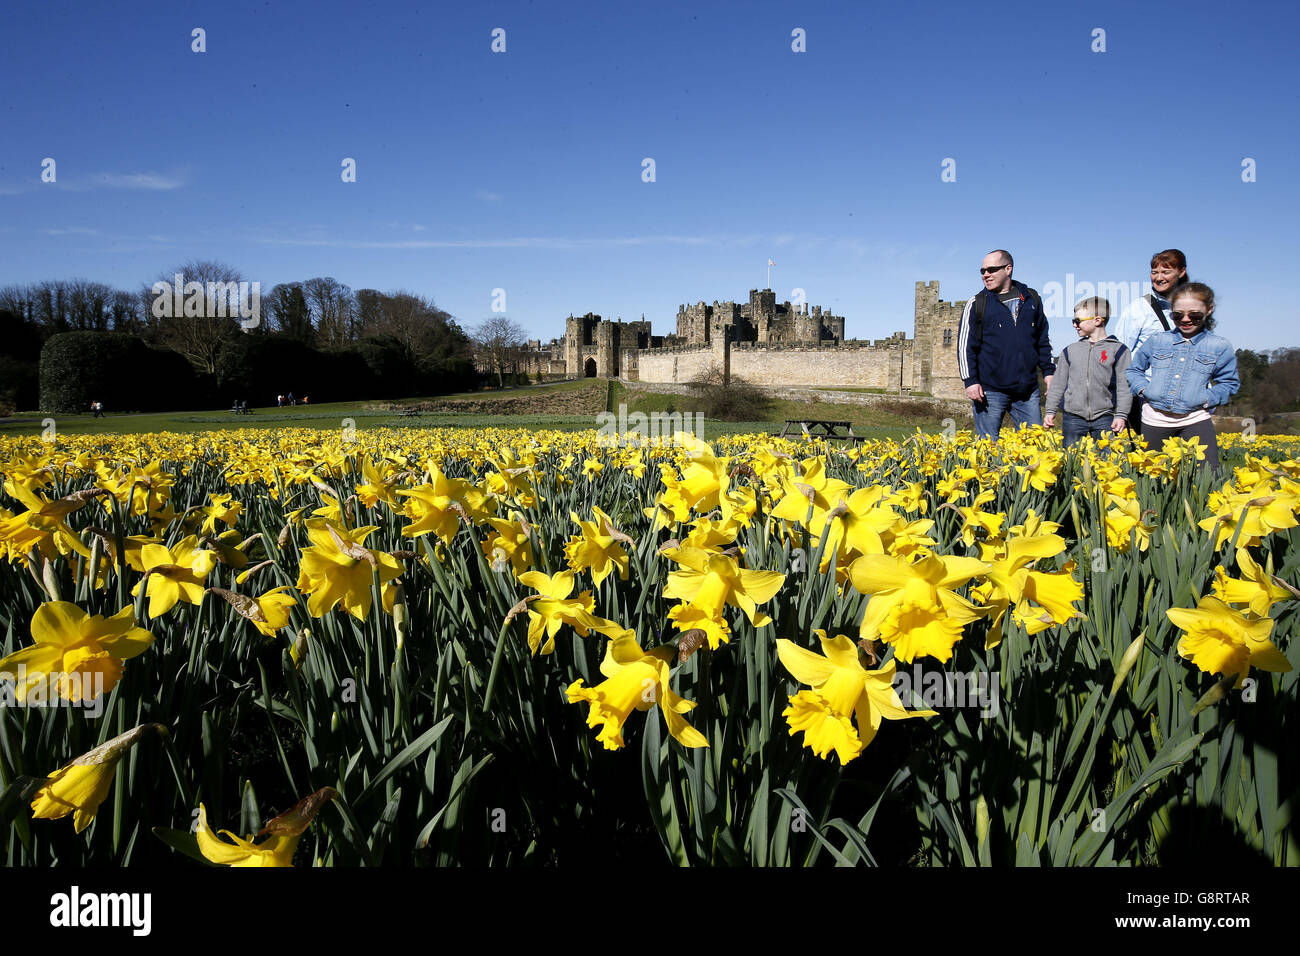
<point>150,181</point>
<point>516,242</point>
<point>488,196</point>
<point>89,232</point>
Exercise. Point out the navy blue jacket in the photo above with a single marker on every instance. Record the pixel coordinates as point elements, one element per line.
<point>1008,355</point>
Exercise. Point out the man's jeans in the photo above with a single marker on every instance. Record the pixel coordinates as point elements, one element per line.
<point>988,413</point>
<point>1074,427</point>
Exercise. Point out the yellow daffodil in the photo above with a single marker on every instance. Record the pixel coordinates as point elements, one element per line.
<point>1256,588</point>
<point>552,608</point>
<point>1221,640</point>
<point>841,689</point>
<point>709,581</point>
<point>143,488</point>
<point>1041,471</point>
<point>508,547</point>
<point>1008,578</point>
<point>634,680</point>
<point>857,524</point>
<point>221,509</point>
<point>282,835</point>
<point>268,612</point>
<point>670,509</point>
<point>379,483</point>
<point>911,497</point>
<point>339,570</point>
<point>1124,526</point>
<point>436,507</point>
<point>273,851</point>
<point>83,653</point>
<point>808,498</point>
<point>912,603</point>
<point>974,520</point>
<point>174,574</point>
<point>687,617</point>
<point>599,547</point>
<point>82,785</point>
<point>1258,515</point>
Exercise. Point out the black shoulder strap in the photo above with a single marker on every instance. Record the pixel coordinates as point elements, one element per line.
<point>977,316</point>
<point>1160,313</point>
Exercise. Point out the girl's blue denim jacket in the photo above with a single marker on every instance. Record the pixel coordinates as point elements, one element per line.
<point>1177,375</point>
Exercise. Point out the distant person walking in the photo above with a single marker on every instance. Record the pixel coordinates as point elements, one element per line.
<point>1183,374</point>
<point>1002,343</point>
<point>1144,317</point>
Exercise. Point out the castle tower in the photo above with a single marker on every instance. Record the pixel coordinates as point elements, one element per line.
<point>808,326</point>
<point>693,323</point>
<point>606,366</point>
<point>937,327</point>
<point>720,344</point>
<point>927,297</point>
<point>573,347</point>
<point>836,325</point>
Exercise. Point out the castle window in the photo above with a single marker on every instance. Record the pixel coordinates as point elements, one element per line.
<point>947,336</point>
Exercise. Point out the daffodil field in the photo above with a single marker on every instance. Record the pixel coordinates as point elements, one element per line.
<point>449,647</point>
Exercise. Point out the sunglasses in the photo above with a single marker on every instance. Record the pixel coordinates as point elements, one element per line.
<point>1193,316</point>
<point>1086,318</point>
<point>991,269</point>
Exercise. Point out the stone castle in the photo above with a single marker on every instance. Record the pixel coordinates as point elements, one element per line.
<point>764,342</point>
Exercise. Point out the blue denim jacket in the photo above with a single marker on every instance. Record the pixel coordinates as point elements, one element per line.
<point>1177,375</point>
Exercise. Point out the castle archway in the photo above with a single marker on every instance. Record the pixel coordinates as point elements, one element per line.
<point>591,368</point>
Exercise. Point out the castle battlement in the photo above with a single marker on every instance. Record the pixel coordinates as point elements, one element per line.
<point>755,339</point>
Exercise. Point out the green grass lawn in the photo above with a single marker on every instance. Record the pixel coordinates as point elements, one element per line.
<point>866,421</point>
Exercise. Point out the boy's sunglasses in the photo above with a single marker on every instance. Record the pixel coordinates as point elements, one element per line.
<point>1194,316</point>
<point>1086,318</point>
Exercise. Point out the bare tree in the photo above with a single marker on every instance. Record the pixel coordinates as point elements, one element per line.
<point>125,313</point>
<point>498,344</point>
<point>199,337</point>
<point>288,313</point>
<point>333,311</point>
<point>727,397</point>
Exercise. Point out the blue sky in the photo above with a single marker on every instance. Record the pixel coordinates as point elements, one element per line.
<point>522,170</point>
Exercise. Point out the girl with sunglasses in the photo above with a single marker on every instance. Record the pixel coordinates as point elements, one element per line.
<point>1182,374</point>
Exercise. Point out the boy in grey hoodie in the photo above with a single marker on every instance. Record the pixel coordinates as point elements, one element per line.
<point>1090,379</point>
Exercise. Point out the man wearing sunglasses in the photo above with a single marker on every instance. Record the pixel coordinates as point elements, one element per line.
<point>1002,343</point>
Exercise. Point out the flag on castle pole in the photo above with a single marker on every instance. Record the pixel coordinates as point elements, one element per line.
<point>770,263</point>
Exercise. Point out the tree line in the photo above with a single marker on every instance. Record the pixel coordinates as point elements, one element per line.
<point>336,341</point>
<point>1270,383</point>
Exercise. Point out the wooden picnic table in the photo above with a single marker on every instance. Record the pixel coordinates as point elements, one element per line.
<point>820,428</point>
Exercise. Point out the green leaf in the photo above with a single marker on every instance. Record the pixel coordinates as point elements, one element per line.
<point>1266,793</point>
<point>184,842</point>
<point>790,796</point>
<point>405,756</point>
<point>1026,855</point>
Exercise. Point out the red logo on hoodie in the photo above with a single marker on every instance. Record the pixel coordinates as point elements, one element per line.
<point>1103,356</point>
